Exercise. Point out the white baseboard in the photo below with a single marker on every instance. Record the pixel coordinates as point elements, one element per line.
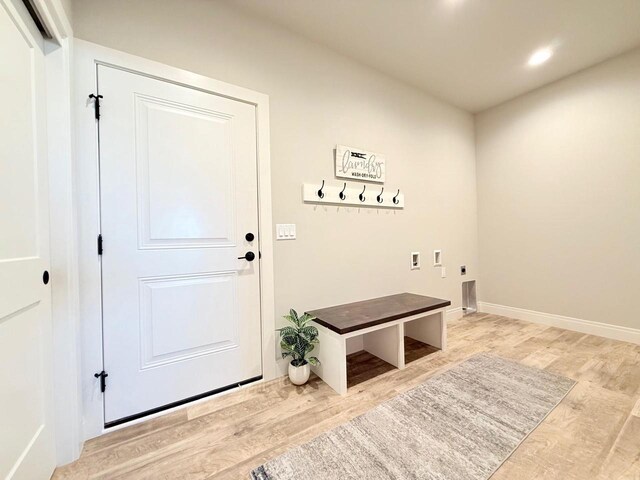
<point>606,330</point>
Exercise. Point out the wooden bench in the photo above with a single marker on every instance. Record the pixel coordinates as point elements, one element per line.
<point>383,323</point>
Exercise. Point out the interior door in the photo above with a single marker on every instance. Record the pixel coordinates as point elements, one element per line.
<point>26,425</point>
<point>178,176</point>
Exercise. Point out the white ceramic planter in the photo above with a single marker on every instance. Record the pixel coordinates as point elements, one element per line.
<point>299,375</point>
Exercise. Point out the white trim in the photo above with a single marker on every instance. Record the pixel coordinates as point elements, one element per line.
<point>87,56</point>
<point>64,258</point>
<point>606,330</point>
<point>55,18</point>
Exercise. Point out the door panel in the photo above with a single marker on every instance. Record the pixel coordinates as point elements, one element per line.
<point>186,192</point>
<point>196,297</point>
<point>178,194</point>
<point>26,436</point>
<point>17,149</point>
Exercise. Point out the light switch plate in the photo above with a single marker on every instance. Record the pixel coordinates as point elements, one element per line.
<point>285,231</point>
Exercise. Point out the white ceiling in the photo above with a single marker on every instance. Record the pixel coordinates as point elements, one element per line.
<point>472,53</point>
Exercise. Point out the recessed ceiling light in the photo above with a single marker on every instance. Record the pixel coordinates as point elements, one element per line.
<point>540,56</point>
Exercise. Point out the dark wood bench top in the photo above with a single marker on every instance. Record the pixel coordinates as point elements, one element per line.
<point>356,316</point>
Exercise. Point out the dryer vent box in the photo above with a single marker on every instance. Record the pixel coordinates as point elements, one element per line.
<point>469,302</point>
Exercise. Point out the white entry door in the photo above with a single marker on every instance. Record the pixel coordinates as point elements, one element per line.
<point>26,426</point>
<point>178,177</point>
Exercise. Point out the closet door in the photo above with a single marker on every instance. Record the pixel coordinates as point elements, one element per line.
<point>26,439</point>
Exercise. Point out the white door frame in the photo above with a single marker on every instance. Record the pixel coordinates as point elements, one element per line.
<point>63,234</point>
<point>86,58</point>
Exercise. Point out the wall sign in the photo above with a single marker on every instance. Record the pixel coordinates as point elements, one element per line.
<point>358,164</point>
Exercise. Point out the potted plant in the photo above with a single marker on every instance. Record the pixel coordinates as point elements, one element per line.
<point>297,341</point>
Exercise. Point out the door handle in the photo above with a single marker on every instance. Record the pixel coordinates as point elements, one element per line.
<point>249,257</point>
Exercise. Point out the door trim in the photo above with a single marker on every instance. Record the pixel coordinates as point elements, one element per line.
<point>86,58</point>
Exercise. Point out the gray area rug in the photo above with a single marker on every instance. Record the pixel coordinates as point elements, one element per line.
<point>461,424</point>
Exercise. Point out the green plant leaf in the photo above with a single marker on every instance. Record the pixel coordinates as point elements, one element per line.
<point>310,332</point>
<point>298,339</point>
<point>305,318</point>
<point>290,340</point>
<point>288,332</point>
<point>313,361</point>
<point>287,350</point>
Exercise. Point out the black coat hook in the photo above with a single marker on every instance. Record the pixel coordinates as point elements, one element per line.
<point>320,192</point>
<point>361,196</point>
<point>395,199</point>
<point>379,197</point>
<point>341,194</point>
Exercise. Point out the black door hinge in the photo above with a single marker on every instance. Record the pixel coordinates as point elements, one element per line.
<point>96,104</point>
<point>102,376</point>
<point>99,244</point>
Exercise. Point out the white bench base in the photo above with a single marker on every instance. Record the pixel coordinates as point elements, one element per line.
<point>385,341</point>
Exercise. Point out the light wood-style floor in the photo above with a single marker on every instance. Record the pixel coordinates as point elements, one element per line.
<point>593,434</point>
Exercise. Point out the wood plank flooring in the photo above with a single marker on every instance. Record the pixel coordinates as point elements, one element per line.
<point>593,434</point>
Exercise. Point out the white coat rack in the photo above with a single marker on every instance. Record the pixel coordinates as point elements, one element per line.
<point>354,195</point>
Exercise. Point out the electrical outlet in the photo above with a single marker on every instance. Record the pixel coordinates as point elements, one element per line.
<point>443,272</point>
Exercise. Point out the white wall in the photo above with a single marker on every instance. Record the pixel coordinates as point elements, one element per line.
<point>318,99</point>
<point>559,197</point>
